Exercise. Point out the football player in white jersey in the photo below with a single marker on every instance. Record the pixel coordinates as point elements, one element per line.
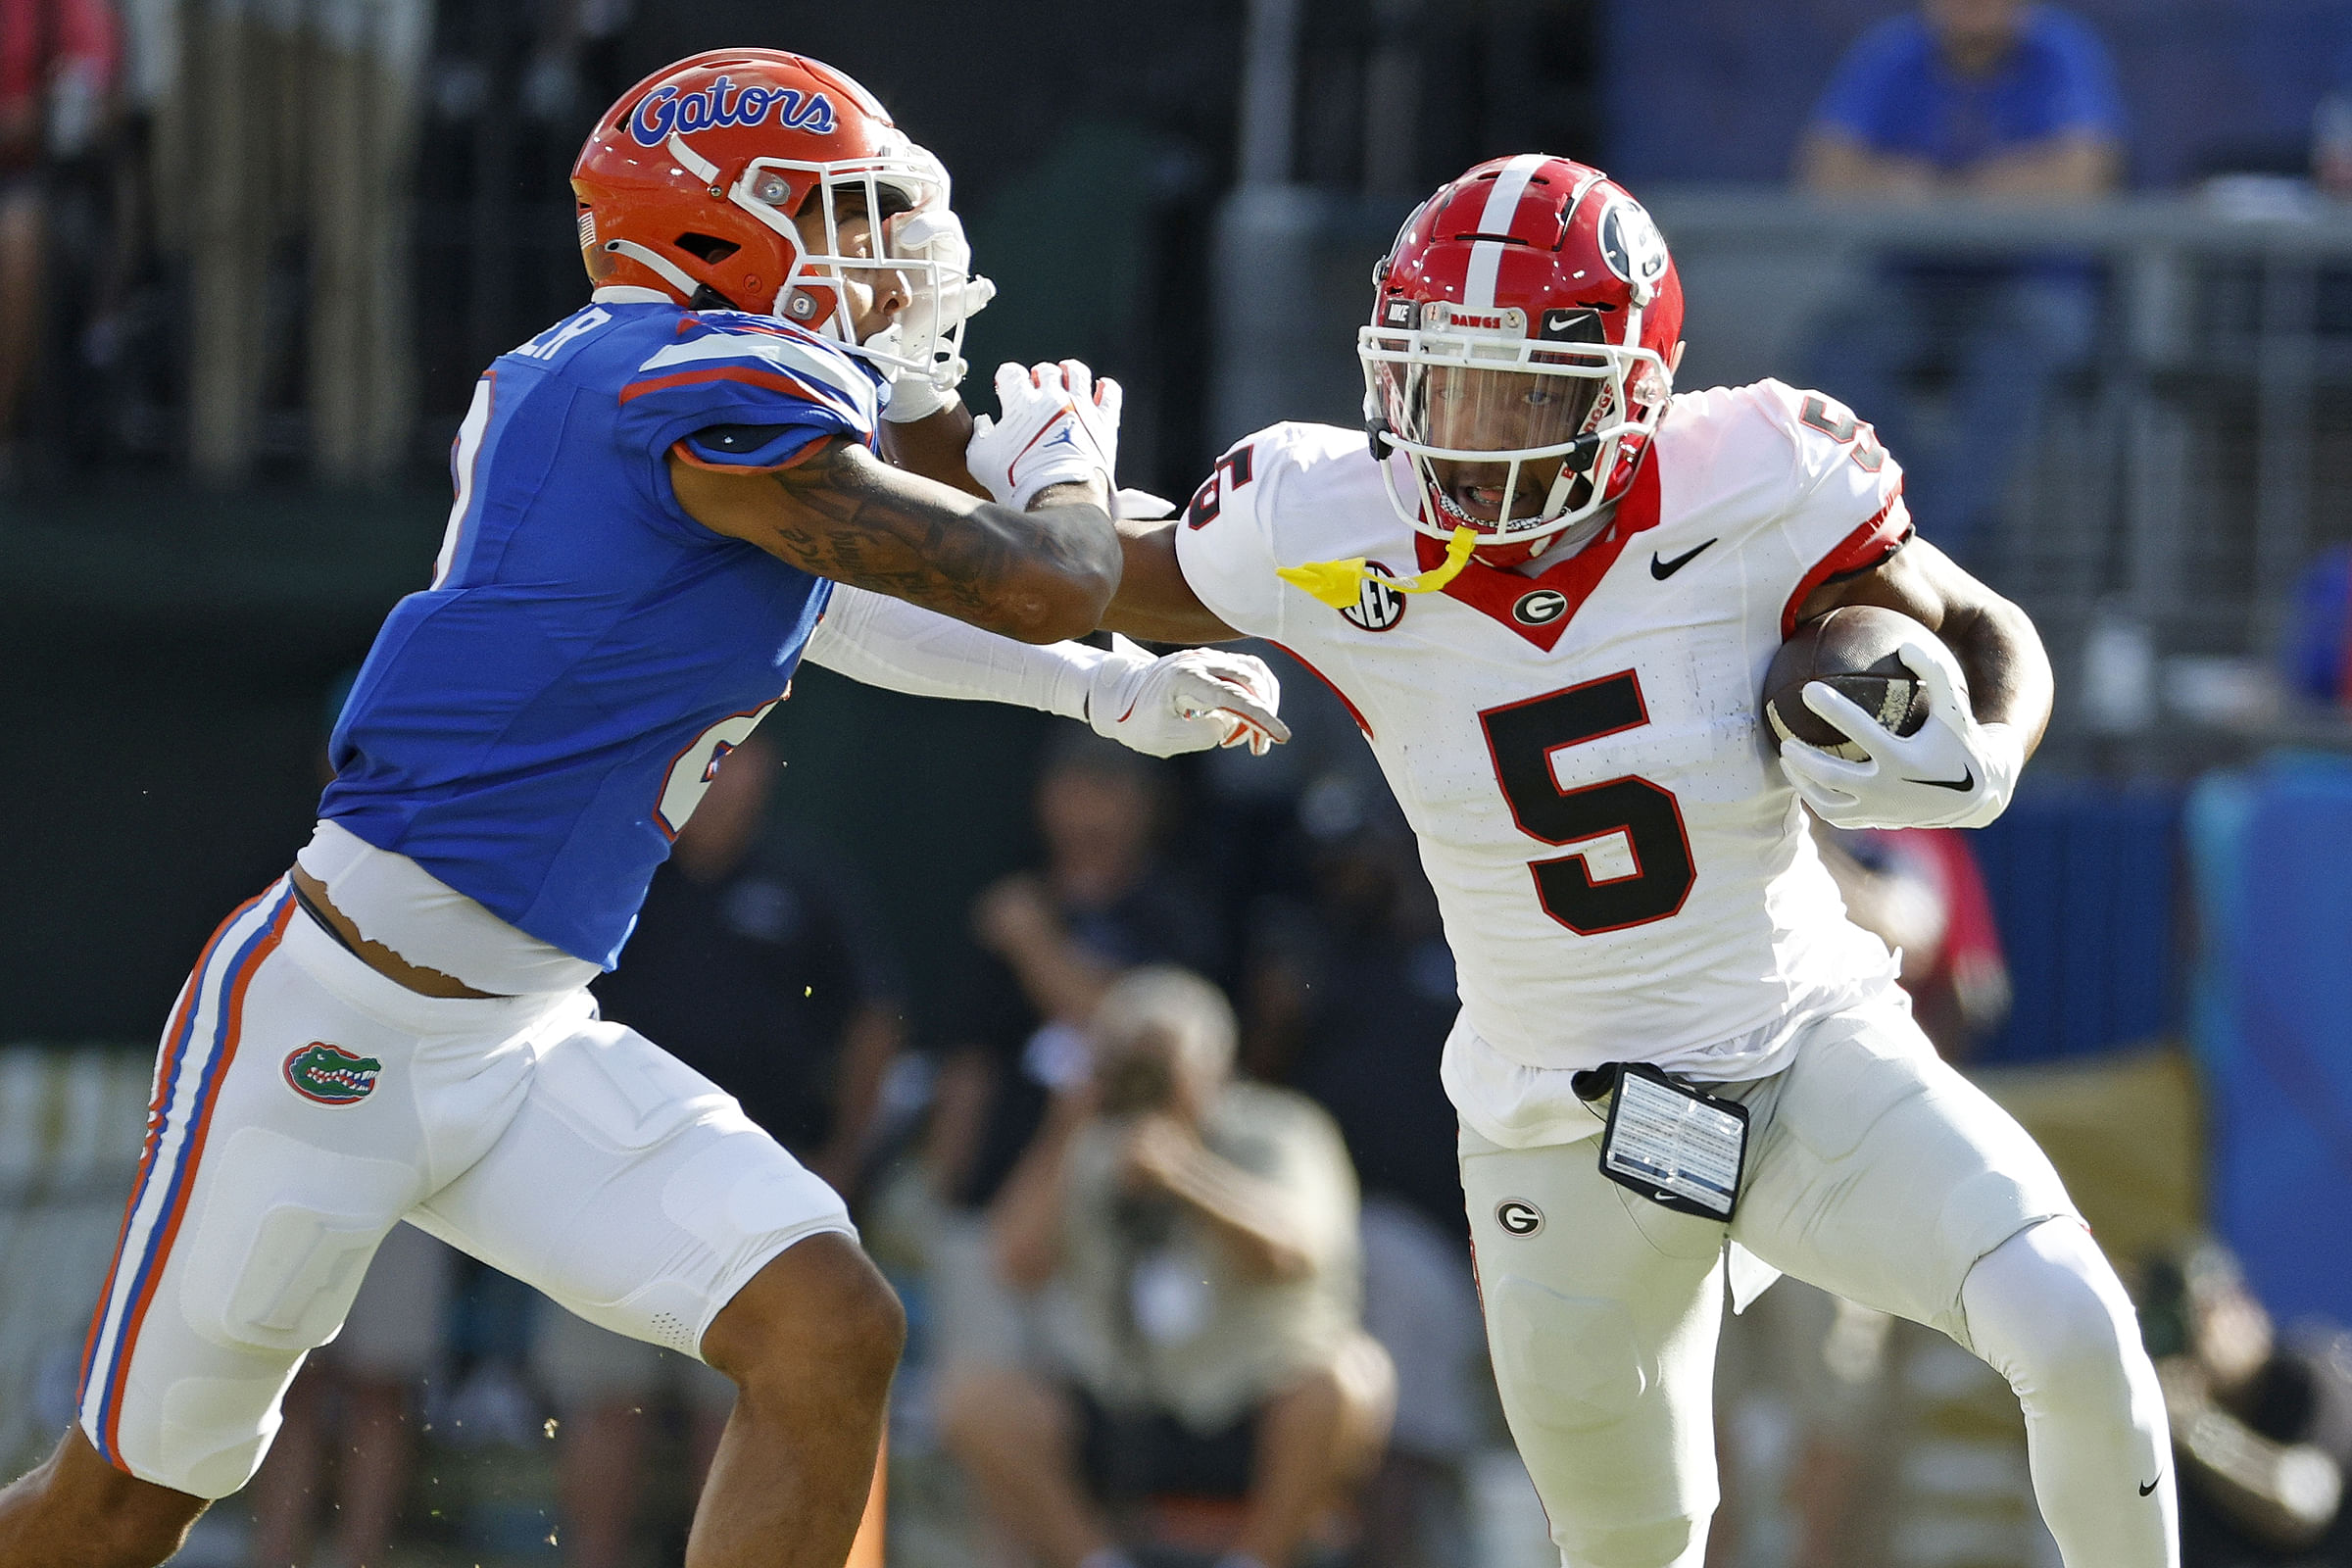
<point>1549,588</point>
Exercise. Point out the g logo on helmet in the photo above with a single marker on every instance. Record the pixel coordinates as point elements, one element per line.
<point>1630,242</point>
<point>1518,1217</point>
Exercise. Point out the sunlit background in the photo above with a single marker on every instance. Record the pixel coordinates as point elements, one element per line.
<point>254,253</point>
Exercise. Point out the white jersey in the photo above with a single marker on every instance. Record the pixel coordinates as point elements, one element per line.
<point>1625,873</point>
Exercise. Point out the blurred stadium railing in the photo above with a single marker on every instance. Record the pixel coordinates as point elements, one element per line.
<point>70,1120</point>
<point>2178,486</point>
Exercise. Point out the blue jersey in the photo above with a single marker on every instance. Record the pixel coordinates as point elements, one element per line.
<point>535,727</point>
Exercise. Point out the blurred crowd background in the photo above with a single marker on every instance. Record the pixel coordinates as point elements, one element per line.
<point>1130,1068</point>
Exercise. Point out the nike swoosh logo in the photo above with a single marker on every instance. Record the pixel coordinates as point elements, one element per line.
<point>2153,1485</point>
<point>1964,783</point>
<point>1663,569</point>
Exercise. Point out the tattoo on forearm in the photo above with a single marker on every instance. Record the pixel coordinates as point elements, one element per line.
<point>850,524</point>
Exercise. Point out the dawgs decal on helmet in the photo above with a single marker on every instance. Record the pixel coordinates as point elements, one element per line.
<point>723,103</point>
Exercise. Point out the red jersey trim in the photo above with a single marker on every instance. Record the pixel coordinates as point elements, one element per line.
<point>1866,547</point>
<point>774,381</point>
<point>1330,685</point>
<point>1496,592</point>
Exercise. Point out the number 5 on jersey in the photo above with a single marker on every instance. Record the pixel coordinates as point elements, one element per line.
<point>1521,738</point>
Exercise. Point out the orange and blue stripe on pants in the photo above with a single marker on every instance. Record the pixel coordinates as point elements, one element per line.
<point>199,1048</point>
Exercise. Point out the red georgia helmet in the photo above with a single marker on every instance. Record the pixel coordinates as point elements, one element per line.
<point>1527,311</point>
<point>693,179</point>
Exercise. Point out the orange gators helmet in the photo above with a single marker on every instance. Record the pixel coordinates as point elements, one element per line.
<point>1520,353</point>
<point>691,184</point>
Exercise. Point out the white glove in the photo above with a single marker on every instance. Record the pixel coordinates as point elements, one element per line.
<point>1954,772</point>
<point>1185,702</point>
<point>1058,425</point>
<point>927,328</point>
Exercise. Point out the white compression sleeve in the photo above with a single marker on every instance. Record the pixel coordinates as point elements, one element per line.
<point>2048,1313</point>
<point>900,647</point>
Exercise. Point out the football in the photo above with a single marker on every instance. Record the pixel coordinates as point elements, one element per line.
<point>1853,650</point>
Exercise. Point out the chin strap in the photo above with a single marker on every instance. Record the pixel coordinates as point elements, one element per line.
<point>1340,583</point>
<point>660,265</point>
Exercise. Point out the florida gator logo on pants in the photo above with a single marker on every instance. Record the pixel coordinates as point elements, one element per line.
<point>331,1075</point>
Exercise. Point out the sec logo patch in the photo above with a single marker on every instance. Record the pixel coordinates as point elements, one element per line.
<point>1378,607</point>
<point>1540,607</point>
<point>1518,1217</point>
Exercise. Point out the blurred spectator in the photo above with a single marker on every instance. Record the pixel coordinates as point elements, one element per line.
<point>1057,939</point>
<point>2318,645</point>
<point>759,964</point>
<point>351,1405</point>
<point>57,67</point>
<point>758,967</point>
<point>1982,98</point>
<point>2331,135</point>
<point>2331,144</point>
<point>1351,996</point>
<point>1921,891</point>
<point>2262,1430</point>
<point>331,337</point>
<point>1350,999</point>
<point>1199,1239</point>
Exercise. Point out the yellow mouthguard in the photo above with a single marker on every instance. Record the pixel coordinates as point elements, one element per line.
<point>1340,583</point>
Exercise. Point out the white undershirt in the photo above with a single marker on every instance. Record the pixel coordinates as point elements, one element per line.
<point>899,647</point>
<point>396,902</point>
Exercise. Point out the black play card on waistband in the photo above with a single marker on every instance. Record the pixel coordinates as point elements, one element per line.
<point>1677,1145</point>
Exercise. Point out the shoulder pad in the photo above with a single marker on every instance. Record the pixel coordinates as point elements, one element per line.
<point>756,351</point>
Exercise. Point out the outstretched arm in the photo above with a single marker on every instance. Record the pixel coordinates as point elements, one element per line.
<point>1038,576</point>
<point>1154,600</point>
<point>1182,701</point>
<point>1043,407</point>
<point>933,446</point>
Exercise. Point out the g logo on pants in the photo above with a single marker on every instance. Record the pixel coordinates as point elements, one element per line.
<point>1518,1217</point>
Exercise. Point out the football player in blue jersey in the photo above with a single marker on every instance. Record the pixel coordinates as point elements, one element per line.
<point>662,504</point>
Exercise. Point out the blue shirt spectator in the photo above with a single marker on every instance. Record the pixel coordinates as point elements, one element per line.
<point>1901,92</point>
<point>2331,132</point>
<point>1984,98</point>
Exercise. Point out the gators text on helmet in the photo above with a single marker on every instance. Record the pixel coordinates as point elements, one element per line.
<point>690,184</point>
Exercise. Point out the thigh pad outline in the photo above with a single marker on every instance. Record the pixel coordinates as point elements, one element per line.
<point>1577,1355</point>
<point>622,1090</point>
<point>1838,1089</point>
<point>283,1240</point>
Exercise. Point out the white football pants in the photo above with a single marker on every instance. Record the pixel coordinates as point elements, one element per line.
<point>304,1104</point>
<point>1876,1172</point>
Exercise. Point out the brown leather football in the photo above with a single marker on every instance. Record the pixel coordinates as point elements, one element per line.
<point>1851,649</point>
